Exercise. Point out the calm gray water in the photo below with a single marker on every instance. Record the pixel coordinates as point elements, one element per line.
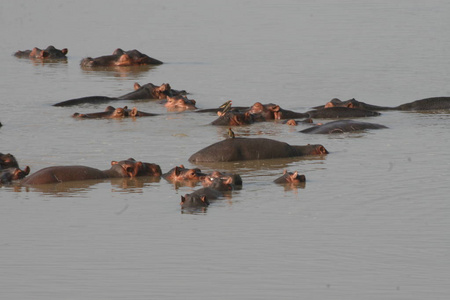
<point>371,223</point>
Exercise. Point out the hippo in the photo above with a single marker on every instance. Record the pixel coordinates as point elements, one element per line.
<point>234,180</point>
<point>120,58</point>
<point>179,103</point>
<point>341,112</point>
<point>114,113</point>
<point>48,53</point>
<point>234,118</point>
<point>341,126</point>
<point>180,173</point>
<point>201,198</point>
<point>274,112</point>
<point>13,173</point>
<point>427,104</point>
<point>145,92</point>
<point>119,169</point>
<point>290,178</point>
<point>8,161</point>
<point>239,149</point>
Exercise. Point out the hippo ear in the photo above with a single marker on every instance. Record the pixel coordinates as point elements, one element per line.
<point>183,199</point>
<point>229,180</point>
<point>193,101</point>
<point>294,175</point>
<point>110,108</point>
<point>182,166</point>
<point>134,112</point>
<point>133,170</point>
<point>177,171</point>
<point>114,163</point>
<point>322,150</point>
<point>203,198</point>
<point>350,105</point>
<point>65,51</point>
<point>275,108</point>
<point>137,86</point>
<point>284,172</point>
<point>27,170</point>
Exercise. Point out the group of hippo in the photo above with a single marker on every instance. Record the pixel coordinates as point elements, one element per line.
<point>215,184</point>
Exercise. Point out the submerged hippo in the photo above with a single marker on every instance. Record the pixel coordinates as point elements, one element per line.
<point>48,53</point>
<point>201,198</point>
<point>179,103</point>
<point>237,149</point>
<point>120,58</point>
<point>114,113</point>
<point>435,103</point>
<point>290,178</point>
<point>145,92</point>
<point>341,126</point>
<point>119,169</point>
<point>180,173</point>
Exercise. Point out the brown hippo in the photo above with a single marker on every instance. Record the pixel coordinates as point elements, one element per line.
<point>274,112</point>
<point>120,58</point>
<point>435,103</point>
<point>341,126</point>
<point>234,180</point>
<point>252,149</point>
<point>119,169</point>
<point>180,173</point>
<point>14,173</point>
<point>290,178</point>
<point>48,53</point>
<point>179,103</point>
<point>114,113</point>
<point>147,91</point>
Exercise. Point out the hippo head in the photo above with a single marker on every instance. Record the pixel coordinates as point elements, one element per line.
<point>294,178</point>
<point>179,103</point>
<point>194,201</point>
<point>8,161</point>
<point>127,168</point>
<point>221,183</point>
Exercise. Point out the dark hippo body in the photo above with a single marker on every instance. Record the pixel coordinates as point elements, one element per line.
<point>252,149</point>
<point>120,58</point>
<point>114,113</point>
<point>145,92</point>
<point>341,112</point>
<point>435,103</point>
<point>121,169</point>
<point>341,126</point>
<point>48,53</point>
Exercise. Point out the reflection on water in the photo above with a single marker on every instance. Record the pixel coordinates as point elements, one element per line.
<point>79,188</point>
<point>119,71</point>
